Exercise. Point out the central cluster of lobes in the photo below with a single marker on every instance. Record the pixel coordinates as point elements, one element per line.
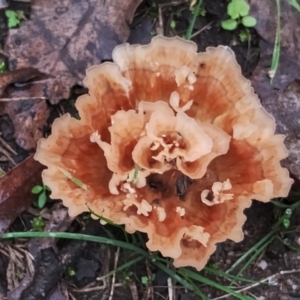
<point>156,146</point>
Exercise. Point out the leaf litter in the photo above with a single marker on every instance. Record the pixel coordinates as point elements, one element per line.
<point>63,38</point>
<point>282,97</point>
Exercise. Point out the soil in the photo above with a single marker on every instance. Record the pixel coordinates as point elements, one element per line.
<point>77,265</point>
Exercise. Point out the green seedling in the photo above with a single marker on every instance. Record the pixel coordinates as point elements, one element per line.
<point>2,66</point>
<point>38,224</point>
<point>238,10</point>
<point>244,35</point>
<point>14,18</point>
<point>126,276</point>
<point>201,12</point>
<point>145,280</point>
<point>71,271</point>
<point>173,24</point>
<point>41,190</point>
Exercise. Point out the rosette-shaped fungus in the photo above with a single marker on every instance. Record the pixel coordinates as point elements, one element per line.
<point>171,142</point>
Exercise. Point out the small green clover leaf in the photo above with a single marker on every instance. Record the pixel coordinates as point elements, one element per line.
<point>238,8</point>
<point>229,24</point>
<point>248,21</point>
<point>232,10</point>
<point>14,17</point>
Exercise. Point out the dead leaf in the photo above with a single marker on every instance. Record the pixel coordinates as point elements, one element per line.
<point>21,75</point>
<point>288,70</point>
<point>282,97</point>
<point>63,38</point>
<point>285,107</point>
<point>29,118</point>
<point>15,190</point>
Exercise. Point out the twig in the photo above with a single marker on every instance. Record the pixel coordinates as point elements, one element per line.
<point>5,153</point>
<point>202,29</point>
<point>7,146</point>
<point>269,278</point>
<point>149,292</point>
<point>4,53</point>
<point>2,172</point>
<point>95,288</point>
<point>71,296</point>
<point>134,292</point>
<point>160,27</point>
<point>113,281</point>
<point>170,289</point>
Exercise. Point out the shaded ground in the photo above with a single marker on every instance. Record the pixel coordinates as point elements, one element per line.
<point>69,269</point>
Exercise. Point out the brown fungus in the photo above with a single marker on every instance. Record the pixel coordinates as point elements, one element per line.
<point>158,114</point>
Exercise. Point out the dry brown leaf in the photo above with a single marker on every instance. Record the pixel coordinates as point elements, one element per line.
<point>15,190</point>
<point>288,70</point>
<point>21,75</point>
<point>285,107</point>
<point>282,97</point>
<point>29,118</point>
<point>63,38</point>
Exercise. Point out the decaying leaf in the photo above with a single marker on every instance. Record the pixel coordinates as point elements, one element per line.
<point>282,97</point>
<point>21,75</point>
<point>288,70</point>
<point>285,107</point>
<point>63,38</point>
<point>15,190</point>
<point>29,118</point>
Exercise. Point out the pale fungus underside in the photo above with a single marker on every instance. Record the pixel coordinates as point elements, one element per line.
<point>171,142</point>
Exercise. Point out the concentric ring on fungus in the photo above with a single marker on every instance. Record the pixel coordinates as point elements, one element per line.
<point>171,142</point>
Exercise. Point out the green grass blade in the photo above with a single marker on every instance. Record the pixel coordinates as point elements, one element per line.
<point>228,276</point>
<point>174,275</point>
<point>295,4</point>
<point>76,236</point>
<point>282,205</point>
<point>124,266</point>
<point>250,251</point>
<point>254,256</point>
<point>77,181</point>
<point>196,289</point>
<point>211,283</point>
<point>276,50</point>
<point>192,24</point>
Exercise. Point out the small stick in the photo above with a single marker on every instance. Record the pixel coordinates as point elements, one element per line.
<point>272,277</point>
<point>113,281</point>
<point>8,147</point>
<point>5,153</point>
<point>170,289</point>
<point>202,29</point>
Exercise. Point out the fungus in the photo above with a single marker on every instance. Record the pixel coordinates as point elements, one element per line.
<point>171,142</point>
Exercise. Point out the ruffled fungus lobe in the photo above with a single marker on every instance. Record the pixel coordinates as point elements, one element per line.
<point>171,142</point>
